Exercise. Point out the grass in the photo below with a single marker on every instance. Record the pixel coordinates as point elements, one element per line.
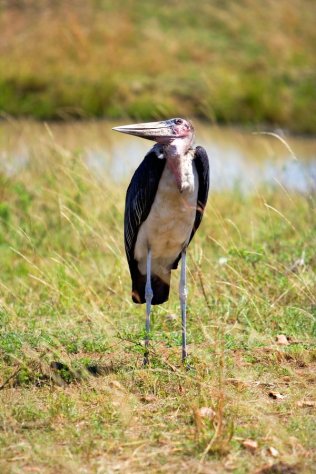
<point>245,62</point>
<point>74,394</point>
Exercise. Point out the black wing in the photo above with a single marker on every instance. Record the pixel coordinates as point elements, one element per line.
<point>139,199</point>
<point>203,171</point>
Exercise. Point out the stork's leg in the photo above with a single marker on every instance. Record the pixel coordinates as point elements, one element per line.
<point>148,297</point>
<point>183,302</point>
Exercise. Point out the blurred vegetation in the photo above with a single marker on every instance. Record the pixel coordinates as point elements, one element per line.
<point>230,62</point>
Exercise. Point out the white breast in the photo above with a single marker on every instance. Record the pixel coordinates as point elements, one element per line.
<point>168,226</point>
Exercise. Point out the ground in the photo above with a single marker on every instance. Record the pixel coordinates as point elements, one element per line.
<point>75,396</point>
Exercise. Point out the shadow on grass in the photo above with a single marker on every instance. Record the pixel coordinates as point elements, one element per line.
<point>58,373</point>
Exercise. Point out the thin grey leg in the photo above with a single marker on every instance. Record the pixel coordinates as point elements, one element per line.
<point>183,303</point>
<point>148,297</point>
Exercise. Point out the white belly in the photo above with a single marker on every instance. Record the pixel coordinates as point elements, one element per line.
<point>168,227</point>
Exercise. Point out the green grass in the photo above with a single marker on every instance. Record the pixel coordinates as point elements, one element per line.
<point>74,394</point>
<point>229,62</point>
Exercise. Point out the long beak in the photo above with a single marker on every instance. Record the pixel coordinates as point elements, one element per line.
<point>156,131</point>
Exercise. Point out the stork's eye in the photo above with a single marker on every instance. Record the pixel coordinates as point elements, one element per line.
<point>178,121</point>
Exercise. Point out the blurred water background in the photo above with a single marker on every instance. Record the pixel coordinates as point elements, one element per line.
<point>239,159</point>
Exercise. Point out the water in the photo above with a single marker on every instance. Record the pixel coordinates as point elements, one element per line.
<point>238,158</point>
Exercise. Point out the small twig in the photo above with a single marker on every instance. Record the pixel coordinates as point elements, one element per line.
<point>11,377</point>
<point>202,286</point>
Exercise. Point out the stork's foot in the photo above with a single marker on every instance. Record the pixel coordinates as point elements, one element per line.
<point>188,367</point>
<point>186,363</point>
<point>146,359</point>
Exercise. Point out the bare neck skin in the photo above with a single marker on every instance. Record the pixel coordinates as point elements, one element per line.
<point>179,162</point>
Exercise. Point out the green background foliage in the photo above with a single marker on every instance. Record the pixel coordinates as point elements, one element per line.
<point>228,62</point>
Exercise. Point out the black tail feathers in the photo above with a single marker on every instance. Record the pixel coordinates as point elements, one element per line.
<point>160,288</point>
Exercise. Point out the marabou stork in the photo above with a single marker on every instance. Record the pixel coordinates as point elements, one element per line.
<point>164,207</point>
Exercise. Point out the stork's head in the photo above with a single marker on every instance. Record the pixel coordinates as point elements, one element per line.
<point>164,132</point>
